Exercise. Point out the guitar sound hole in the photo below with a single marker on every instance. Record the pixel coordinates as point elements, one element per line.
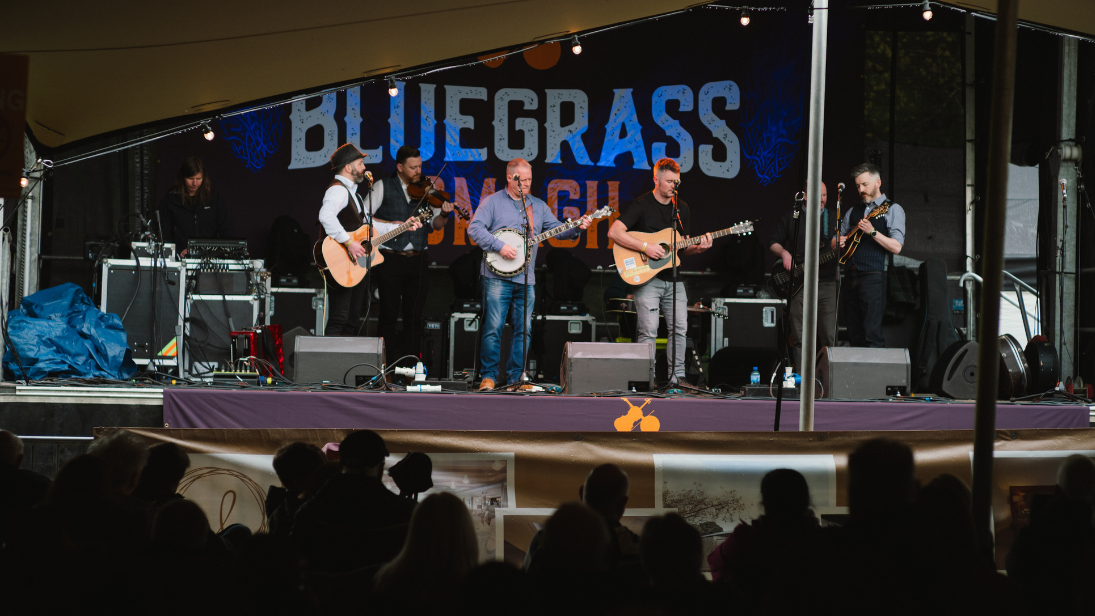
<point>368,246</point>
<point>656,263</point>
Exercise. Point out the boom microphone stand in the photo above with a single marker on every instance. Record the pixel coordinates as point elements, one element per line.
<point>800,201</point>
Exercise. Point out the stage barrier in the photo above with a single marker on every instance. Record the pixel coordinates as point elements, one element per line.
<point>511,481</point>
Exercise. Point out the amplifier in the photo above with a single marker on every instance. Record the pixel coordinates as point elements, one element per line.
<point>216,248</point>
<point>434,347</point>
<point>225,276</point>
<point>128,291</point>
<point>465,343</point>
<point>589,367</point>
<point>550,333</point>
<point>348,360</point>
<point>153,249</point>
<point>857,373</point>
<point>749,323</point>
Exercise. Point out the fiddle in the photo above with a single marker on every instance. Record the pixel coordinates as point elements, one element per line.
<point>424,191</point>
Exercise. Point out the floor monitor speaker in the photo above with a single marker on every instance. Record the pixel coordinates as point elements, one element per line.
<point>589,367</point>
<point>955,372</point>
<point>349,360</point>
<point>860,373</point>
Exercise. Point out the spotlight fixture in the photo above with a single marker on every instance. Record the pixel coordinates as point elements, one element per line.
<point>745,16</point>
<point>927,8</point>
<point>393,90</point>
<point>207,132</point>
<point>576,45</point>
<point>24,181</point>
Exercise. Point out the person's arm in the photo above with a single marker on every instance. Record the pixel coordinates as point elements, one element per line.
<point>894,241</point>
<point>696,249</point>
<point>438,221</point>
<point>551,222</point>
<point>618,233</point>
<point>479,229</point>
<point>371,203</point>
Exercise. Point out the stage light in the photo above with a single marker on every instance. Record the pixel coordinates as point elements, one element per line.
<point>207,132</point>
<point>24,181</point>
<point>393,90</point>
<point>576,45</point>
<point>927,11</point>
<point>745,16</point>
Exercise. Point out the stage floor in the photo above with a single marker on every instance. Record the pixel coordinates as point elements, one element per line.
<point>262,409</point>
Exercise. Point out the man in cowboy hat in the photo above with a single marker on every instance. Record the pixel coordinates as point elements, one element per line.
<point>345,302</point>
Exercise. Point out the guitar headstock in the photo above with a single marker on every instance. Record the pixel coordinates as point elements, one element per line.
<point>742,228</point>
<point>607,210</point>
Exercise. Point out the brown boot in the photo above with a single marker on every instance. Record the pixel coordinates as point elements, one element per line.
<point>486,385</point>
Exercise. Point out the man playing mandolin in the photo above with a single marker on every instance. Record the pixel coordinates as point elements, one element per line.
<point>401,278</point>
<point>345,302</point>
<point>650,213</point>
<point>878,235</point>
<point>782,238</point>
<point>506,295</point>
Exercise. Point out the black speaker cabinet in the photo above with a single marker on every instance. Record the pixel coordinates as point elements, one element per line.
<point>589,367</point>
<point>349,360</point>
<point>955,372</point>
<point>128,287</point>
<point>858,373</point>
<point>434,347</point>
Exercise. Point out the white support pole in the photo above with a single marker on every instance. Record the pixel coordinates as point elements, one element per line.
<point>971,175</point>
<point>812,229</point>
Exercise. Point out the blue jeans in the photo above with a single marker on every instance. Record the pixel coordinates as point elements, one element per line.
<point>502,297</point>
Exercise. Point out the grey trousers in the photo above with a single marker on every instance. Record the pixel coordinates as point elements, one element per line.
<point>658,295</point>
<point>826,320</point>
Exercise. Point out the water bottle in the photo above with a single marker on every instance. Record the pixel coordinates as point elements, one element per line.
<point>754,378</point>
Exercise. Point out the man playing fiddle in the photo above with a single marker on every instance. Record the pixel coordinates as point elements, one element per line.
<point>401,277</point>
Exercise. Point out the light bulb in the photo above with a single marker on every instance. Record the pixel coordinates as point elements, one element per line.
<point>24,181</point>
<point>927,11</point>
<point>393,90</point>
<point>466,480</point>
<point>745,17</point>
<point>576,45</point>
<point>207,132</point>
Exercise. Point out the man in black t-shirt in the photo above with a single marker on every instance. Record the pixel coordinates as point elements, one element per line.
<point>779,245</point>
<point>651,213</point>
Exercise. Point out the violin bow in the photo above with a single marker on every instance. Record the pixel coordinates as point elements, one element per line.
<point>432,180</point>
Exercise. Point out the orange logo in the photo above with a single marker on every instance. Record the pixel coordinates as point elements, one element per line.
<point>634,416</point>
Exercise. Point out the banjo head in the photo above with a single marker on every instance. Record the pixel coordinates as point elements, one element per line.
<point>509,267</point>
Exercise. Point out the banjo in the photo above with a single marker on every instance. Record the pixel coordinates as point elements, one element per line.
<point>511,267</point>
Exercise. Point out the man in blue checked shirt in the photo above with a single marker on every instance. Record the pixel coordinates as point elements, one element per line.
<point>503,295</point>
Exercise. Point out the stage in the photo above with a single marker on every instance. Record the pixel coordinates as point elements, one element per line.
<point>185,408</point>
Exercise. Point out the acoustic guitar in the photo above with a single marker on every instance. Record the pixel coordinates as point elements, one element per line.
<point>348,271</point>
<point>636,268</point>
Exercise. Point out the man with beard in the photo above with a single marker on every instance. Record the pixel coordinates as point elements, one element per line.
<point>344,303</point>
<point>401,277</point>
<point>865,288</point>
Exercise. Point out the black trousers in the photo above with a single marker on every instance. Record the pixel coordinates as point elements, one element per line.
<point>864,304</point>
<point>402,283</point>
<point>344,307</point>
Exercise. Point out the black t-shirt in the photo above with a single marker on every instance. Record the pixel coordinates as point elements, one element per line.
<point>647,215</point>
<point>785,233</point>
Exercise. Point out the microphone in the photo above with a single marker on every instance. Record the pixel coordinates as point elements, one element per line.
<point>517,178</point>
<point>840,187</point>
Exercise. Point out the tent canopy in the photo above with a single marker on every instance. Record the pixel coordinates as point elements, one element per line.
<point>102,67</point>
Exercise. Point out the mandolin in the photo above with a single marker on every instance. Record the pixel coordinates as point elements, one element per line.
<point>854,238</point>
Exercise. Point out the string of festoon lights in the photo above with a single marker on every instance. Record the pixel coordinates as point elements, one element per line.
<point>747,15</point>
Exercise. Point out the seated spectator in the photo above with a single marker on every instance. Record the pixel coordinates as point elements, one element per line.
<point>185,554</point>
<point>294,464</point>
<point>269,576</point>
<point>180,528</point>
<point>20,489</point>
<point>672,558</point>
<point>570,570</point>
<point>353,521</point>
<point>124,456</point>
<point>1052,560</point>
<point>441,549</point>
<point>605,491</point>
<point>750,556</point>
<point>412,475</point>
<point>159,483</point>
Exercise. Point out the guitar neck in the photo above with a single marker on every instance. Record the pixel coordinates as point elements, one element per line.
<point>696,240</point>
<point>381,240</point>
<point>827,256</point>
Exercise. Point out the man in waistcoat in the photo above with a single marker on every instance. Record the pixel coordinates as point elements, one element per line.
<point>865,281</point>
<point>401,278</point>
<point>344,303</point>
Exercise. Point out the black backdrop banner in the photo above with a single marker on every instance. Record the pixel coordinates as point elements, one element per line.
<point>725,101</point>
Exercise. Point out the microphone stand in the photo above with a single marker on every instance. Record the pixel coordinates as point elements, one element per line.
<point>800,200</point>
<point>673,309</point>
<point>526,336</point>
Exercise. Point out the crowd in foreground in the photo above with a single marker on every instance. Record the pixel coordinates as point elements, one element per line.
<point>110,534</point>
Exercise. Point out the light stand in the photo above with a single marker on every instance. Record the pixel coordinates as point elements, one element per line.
<point>800,201</point>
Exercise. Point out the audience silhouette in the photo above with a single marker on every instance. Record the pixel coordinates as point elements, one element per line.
<point>341,542</point>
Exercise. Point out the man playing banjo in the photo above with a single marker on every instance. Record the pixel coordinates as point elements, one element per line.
<point>503,294</point>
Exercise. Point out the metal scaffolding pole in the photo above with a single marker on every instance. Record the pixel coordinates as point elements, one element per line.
<point>812,230</point>
<point>992,254</point>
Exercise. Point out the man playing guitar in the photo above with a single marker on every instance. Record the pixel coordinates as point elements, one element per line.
<point>865,290</point>
<point>344,303</point>
<point>650,213</point>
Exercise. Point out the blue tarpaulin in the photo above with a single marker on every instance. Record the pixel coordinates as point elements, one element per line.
<point>58,332</point>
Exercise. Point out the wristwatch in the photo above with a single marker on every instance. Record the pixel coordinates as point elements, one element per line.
<point>874,232</point>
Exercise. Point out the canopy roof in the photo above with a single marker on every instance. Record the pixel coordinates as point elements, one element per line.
<point>101,67</point>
